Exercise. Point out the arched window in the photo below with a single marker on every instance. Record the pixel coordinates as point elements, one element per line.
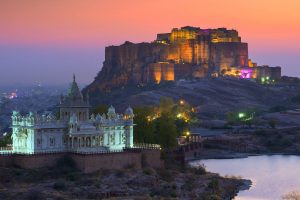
<point>52,141</point>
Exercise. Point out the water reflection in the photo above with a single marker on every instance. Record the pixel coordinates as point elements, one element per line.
<point>272,176</point>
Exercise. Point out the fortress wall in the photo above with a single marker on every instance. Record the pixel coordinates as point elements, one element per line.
<point>182,71</point>
<point>91,163</point>
<point>151,158</point>
<point>88,162</point>
<point>37,161</point>
<point>202,52</point>
<point>6,160</point>
<point>229,54</point>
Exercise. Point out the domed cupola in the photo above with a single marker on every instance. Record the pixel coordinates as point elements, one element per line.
<point>111,114</point>
<point>129,113</point>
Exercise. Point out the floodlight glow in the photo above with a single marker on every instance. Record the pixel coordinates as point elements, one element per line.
<point>241,115</point>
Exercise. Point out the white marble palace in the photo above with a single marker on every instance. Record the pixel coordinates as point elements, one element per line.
<point>75,130</point>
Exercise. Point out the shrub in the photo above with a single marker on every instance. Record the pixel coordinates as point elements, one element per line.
<point>279,137</point>
<point>260,132</point>
<point>166,175</point>
<point>286,142</point>
<point>296,99</point>
<point>273,123</point>
<point>213,185</point>
<point>148,171</point>
<point>120,173</point>
<point>73,176</point>
<point>270,143</point>
<point>174,186</point>
<point>188,185</point>
<point>33,195</point>
<point>59,185</point>
<point>173,194</point>
<point>277,108</point>
<point>5,140</point>
<point>199,170</point>
<point>66,164</point>
<point>212,197</point>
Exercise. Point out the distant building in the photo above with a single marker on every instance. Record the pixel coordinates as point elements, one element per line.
<point>183,53</point>
<point>262,73</point>
<point>74,129</point>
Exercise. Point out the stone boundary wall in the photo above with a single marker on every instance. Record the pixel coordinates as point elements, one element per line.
<point>88,163</point>
<point>151,158</point>
<point>36,161</point>
<point>6,160</point>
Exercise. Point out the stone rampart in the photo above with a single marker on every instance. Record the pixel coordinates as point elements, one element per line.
<point>135,158</point>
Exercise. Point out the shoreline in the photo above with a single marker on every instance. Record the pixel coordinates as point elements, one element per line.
<point>246,183</point>
<point>239,155</point>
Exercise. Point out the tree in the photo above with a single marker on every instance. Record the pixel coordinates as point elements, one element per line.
<point>272,123</point>
<point>100,109</point>
<point>144,130</point>
<point>296,98</point>
<point>166,131</point>
<point>166,104</point>
<point>230,117</point>
<point>5,140</point>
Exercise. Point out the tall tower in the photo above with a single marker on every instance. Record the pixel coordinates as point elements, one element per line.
<point>128,117</point>
<point>74,104</point>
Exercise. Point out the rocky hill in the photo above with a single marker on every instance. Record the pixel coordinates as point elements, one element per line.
<point>213,97</point>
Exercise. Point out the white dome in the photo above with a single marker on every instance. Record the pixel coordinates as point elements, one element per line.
<point>129,111</point>
<point>111,110</point>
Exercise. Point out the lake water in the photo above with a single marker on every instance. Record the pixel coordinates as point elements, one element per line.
<point>271,176</point>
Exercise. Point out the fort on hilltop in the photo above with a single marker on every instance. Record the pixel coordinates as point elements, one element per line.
<point>188,52</point>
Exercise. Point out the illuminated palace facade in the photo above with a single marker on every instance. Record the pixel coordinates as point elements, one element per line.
<point>75,130</point>
<point>195,52</point>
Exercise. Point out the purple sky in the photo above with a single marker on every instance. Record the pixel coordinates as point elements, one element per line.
<point>55,66</point>
<point>47,41</point>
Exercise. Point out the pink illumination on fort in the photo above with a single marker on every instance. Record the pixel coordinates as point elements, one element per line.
<point>246,73</point>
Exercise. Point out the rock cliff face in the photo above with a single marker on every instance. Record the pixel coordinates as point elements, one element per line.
<point>185,52</point>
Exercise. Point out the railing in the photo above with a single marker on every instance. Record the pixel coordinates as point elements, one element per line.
<point>136,148</point>
<point>78,152</point>
<point>6,148</point>
<point>95,152</point>
<point>146,146</point>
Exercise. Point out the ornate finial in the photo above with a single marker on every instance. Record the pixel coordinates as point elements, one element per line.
<point>74,78</point>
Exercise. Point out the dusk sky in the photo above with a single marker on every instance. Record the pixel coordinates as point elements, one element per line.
<point>48,41</point>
